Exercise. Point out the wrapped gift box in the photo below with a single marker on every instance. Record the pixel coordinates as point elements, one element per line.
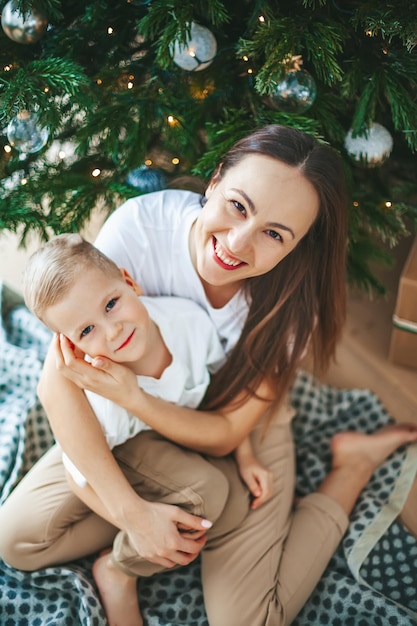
<point>403,348</point>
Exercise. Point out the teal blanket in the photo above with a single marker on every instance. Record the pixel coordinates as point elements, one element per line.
<point>369,582</point>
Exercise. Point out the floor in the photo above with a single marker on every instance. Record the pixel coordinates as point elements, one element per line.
<point>362,357</point>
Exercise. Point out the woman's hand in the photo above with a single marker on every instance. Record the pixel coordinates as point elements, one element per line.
<point>167,535</point>
<point>103,377</point>
<point>161,533</point>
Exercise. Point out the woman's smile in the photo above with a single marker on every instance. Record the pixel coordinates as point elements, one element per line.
<point>223,258</point>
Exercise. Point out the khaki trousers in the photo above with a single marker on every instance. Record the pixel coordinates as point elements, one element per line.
<point>43,523</point>
<point>258,567</point>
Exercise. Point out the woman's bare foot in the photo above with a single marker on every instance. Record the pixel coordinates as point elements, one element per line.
<point>118,593</point>
<point>355,458</point>
<point>369,451</point>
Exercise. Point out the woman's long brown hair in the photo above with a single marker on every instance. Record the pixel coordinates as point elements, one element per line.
<point>303,298</point>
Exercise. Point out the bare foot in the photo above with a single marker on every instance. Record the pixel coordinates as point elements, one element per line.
<point>355,458</point>
<point>118,593</point>
<point>367,452</point>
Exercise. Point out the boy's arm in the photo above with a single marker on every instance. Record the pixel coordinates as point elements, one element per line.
<point>218,433</point>
<point>79,433</point>
<point>257,478</point>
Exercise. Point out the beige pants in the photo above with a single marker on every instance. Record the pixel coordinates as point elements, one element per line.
<point>258,567</point>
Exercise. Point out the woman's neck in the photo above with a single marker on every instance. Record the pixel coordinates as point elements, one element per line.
<point>219,296</point>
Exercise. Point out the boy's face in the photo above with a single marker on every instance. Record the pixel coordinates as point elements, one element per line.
<point>103,316</point>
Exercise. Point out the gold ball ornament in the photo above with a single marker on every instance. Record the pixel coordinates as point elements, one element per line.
<point>25,28</point>
<point>198,51</point>
<point>372,147</point>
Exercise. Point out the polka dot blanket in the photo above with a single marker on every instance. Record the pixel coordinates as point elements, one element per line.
<point>371,580</point>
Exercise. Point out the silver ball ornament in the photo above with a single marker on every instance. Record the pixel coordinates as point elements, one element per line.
<point>371,148</point>
<point>295,93</point>
<point>20,27</point>
<point>24,133</point>
<point>199,50</point>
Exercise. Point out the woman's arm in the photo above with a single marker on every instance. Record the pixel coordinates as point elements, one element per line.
<point>216,433</point>
<point>153,528</point>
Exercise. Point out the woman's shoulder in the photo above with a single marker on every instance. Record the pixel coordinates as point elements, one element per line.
<point>158,205</point>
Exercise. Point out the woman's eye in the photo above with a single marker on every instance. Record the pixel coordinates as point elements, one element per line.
<point>239,207</point>
<point>111,303</point>
<point>87,330</point>
<point>274,235</point>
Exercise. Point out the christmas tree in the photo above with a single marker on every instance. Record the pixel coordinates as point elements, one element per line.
<point>105,100</point>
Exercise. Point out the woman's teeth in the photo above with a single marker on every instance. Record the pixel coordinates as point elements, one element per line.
<point>223,257</point>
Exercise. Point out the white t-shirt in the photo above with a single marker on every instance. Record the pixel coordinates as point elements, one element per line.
<point>196,351</point>
<point>149,237</point>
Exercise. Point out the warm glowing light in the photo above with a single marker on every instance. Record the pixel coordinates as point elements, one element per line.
<point>388,204</point>
<point>96,172</point>
<point>7,68</point>
<point>7,148</point>
<point>110,30</point>
<point>171,120</point>
<point>356,203</point>
<point>369,33</point>
<point>130,85</point>
<point>148,162</point>
<point>24,181</point>
<point>175,161</point>
<point>245,58</point>
<point>191,52</point>
<point>45,89</point>
<point>261,19</point>
<point>99,81</point>
<point>62,154</point>
<point>250,71</point>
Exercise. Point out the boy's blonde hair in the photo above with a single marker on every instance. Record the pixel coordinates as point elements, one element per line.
<point>53,269</point>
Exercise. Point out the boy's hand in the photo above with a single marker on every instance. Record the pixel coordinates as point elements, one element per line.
<point>258,480</point>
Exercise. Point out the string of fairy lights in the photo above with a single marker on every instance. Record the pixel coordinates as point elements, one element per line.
<point>294,93</point>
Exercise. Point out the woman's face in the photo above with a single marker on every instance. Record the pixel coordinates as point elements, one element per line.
<point>254,216</point>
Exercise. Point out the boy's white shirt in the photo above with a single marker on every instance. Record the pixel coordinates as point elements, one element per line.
<point>196,351</point>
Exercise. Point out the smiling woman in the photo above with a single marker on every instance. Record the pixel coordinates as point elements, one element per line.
<point>235,228</point>
<point>265,257</point>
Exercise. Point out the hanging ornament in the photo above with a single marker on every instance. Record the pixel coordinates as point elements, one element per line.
<point>24,133</point>
<point>27,27</point>
<point>147,179</point>
<point>371,148</point>
<point>199,50</point>
<point>296,92</point>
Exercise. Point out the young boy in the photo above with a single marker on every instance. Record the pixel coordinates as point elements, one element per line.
<point>168,342</point>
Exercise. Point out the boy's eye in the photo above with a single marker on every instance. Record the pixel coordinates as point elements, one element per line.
<point>274,234</point>
<point>87,330</point>
<point>111,303</point>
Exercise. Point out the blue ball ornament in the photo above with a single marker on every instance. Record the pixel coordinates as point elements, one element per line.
<point>147,179</point>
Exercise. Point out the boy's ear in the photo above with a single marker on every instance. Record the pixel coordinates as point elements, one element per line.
<point>130,281</point>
